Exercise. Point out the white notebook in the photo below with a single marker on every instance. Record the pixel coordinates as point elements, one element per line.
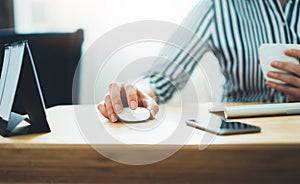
<point>13,59</point>
<point>258,110</point>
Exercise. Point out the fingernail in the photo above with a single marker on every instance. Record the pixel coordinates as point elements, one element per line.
<point>118,108</point>
<point>132,104</point>
<point>272,74</point>
<point>289,51</point>
<point>275,63</point>
<point>113,118</point>
<point>153,113</point>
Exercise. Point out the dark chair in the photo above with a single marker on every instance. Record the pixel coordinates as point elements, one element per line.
<point>56,57</point>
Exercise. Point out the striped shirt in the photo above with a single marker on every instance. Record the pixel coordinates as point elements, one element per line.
<point>232,30</point>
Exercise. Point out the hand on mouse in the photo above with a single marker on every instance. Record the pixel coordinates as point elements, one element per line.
<point>119,94</point>
<point>292,88</point>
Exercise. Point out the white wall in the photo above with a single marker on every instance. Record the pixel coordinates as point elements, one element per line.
<point>97,17</point>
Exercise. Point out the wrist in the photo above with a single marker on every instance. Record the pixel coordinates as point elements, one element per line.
<point>145,87</point>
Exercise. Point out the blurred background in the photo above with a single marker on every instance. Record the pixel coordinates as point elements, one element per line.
<point>95,18</point>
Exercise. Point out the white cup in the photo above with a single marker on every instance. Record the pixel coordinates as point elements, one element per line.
<point>275,52</point>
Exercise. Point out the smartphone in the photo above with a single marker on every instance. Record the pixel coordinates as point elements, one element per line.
<point>222,127</point>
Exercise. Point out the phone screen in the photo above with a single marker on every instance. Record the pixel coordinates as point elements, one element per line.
<point>222,127</point>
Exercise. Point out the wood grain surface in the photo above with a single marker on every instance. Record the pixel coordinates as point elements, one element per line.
<point>65,156</point>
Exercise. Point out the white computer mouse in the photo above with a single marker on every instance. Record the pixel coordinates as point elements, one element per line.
<point>138,115</point>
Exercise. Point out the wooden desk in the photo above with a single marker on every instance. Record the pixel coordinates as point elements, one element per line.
<point>65,156</point>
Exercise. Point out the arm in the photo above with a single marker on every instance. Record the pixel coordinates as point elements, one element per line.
<point>170,71</point>
<point>181,55</point>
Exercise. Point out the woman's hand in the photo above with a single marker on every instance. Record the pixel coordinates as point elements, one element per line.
<point>292,88</point>
<point>120,95</point>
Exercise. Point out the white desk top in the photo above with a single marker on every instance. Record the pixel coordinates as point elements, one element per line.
<point>83,125</point>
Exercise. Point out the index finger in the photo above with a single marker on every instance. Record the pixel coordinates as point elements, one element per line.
<point>115,95</point>
<point>132,97</point>
<point>289,67</point>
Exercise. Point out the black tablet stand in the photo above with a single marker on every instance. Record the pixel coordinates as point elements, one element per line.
<point>27,93</point>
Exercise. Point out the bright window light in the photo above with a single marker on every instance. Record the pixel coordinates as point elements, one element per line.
<point>96,17</point>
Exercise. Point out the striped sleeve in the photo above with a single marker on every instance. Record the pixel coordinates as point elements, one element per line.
<point>184,50</point>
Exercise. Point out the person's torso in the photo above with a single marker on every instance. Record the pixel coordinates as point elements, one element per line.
<point>241,27</point>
